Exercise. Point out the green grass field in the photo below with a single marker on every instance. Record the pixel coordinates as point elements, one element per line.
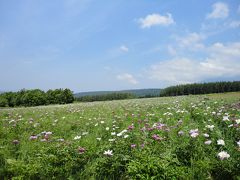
<point>187,137</point>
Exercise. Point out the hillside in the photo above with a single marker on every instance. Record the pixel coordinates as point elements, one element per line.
<point>137,92</point>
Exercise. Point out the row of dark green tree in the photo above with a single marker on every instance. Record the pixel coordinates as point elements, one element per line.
<point>36,97</point>
<point>201,88</point>
<point>106,97</point>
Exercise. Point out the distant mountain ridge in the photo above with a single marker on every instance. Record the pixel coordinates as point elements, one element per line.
<point>137,92</point>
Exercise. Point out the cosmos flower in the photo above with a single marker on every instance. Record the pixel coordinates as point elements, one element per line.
<point>238,143</point>
<point>125,136</point>
<point>223,155</point>
<point>33,137</point>
<point>180,133</point>
<point>194,133</point>
<point>81,150</point>
<point>156,137</point>
<point>77,137</point>
<point>111,140</point>
<point>208,142</point>
<point>237,121</point>
<point>133,145</point>
<point>107,128</point>
<point>220,142</point>
<point>85,133</point>
<point>130,127</point>
<point>15,141</point>
<point>210,127</point>
<point>108,153</point>
<point>206,135</point>
<point>225,118</point>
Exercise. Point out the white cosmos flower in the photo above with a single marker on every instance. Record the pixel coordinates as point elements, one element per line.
<point>220,142</point>
<point>102,122</point>
<point>107,128</point>
<point>195,134</point>
<point>210,127</point>
<point>208,142</point>
<point>113,133</point>
<point>238,121</point>
<point>225,118</point>
<point>126,136</point>
<point>119,134</point>
<point>77,137</point>
<point>111,140</point>
<point>108,153</point>
<point>223,155</point>
<point>206,135</point>
<point>99,139</point>
<point>238,143</point>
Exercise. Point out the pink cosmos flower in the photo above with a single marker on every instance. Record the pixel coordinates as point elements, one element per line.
<point>130,127</point>
<point>33,137</point>
<point>15,141</point>
<point>81,150</point>
<point>133,145</point>
<point>156,137</point>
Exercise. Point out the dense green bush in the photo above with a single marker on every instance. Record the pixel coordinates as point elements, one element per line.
<point>36,97</point>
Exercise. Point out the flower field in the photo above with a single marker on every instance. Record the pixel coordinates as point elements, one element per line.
<point>185,137</point>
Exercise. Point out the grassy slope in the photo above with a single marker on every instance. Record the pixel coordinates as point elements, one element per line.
<point>173,156</point>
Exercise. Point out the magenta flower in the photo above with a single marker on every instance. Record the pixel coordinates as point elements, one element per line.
<point>81,150</point>
<point>130,127</point>
<point>15,141</point>
<point>133,145</point>
<point>33,137</point>
<point>156,137</point>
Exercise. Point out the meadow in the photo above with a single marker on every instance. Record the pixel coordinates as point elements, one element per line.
<point>183,137</point>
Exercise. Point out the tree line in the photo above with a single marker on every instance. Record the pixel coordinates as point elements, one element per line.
<point>36,97</point>
<point>106,97</point>
<point>201,88</point>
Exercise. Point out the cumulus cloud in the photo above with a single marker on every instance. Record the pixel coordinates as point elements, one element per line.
<point>155,20</point>
<point>220,10</point>
<point>128,78</point>
<point>222,62</point>
<point>191,41</point>
<point>234,24</point>
<point>124,48</point>
<point>171,50</point>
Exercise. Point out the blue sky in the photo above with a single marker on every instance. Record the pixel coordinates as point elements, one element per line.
<point>90,45</point>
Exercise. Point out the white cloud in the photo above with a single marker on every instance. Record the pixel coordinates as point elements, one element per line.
<point>156,19</point>
<point>191,41</point>
<point>128,78</point>
<point>222,62</point>
<point>234,24</point>
<point>220,10</point>
<point>171,50</point>
<point>124,48</point>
